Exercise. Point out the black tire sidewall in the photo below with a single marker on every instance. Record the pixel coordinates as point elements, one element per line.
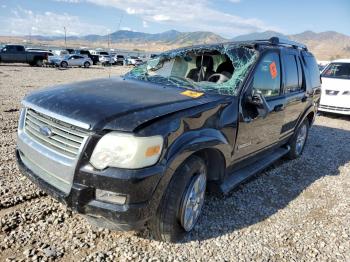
<point>64,64</point>
<point>86,64</point>
<point>166,225</point>
<point>293,153</point>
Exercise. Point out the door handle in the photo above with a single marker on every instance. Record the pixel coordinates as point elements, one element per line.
<point>278,108</point>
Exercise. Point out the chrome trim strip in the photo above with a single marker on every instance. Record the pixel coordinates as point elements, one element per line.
<point>56,116</point>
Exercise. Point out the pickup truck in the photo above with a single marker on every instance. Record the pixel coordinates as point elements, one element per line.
<point>18,54</point>
<point>143,150</point>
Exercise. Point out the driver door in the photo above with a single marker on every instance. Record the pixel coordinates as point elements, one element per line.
<point>257,131</point>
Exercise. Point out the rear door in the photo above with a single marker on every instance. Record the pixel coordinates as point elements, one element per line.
<point>20,54</point>
<point>256,133</point>
<point>294,90</point>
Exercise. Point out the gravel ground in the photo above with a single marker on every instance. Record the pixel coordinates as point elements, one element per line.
<point>296,210</point>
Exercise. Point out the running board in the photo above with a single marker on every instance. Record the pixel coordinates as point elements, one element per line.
<point>241,175</point>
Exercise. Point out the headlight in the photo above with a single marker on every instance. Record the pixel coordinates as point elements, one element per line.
<point>126,151</point>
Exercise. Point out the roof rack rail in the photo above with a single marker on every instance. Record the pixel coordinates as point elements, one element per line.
<point>281,41</point>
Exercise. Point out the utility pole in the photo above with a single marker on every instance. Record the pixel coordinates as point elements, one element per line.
<point>65,37</point>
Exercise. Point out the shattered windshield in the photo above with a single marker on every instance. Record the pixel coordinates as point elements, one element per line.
<point>220,69</point>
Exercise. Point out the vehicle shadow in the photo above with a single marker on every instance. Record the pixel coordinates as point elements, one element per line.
<point>273,189</point>
<point>15,65</point>
<point>334,116</point>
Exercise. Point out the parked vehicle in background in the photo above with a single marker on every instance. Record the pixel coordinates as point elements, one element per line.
<point>118,59</point>
<point>142,150</point>
<point>18,54</point>
<point>73,60</point>
<point>105,59</point>
<point>133,60</point>
<point>94,58</point>
<point>58,52</point>
<point>322,65</point>
<point>335,97</point>
<point>70,50</point>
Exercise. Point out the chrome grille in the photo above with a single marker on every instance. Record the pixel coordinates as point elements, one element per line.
<point>332,92</point>
<point>63,138</point>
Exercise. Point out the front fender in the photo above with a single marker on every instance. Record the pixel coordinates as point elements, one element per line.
<point>196,140</point>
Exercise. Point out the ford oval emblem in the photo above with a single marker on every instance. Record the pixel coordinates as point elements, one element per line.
<point>45,130</point>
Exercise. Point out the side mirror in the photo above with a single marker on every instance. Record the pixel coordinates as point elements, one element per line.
<point>258,100</point>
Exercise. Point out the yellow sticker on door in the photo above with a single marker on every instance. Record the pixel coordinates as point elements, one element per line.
<point>192,94</point>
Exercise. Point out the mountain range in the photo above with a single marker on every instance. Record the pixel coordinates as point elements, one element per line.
<point>325,45</point>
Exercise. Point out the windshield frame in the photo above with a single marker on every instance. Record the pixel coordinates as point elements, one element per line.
<point>242,65</point>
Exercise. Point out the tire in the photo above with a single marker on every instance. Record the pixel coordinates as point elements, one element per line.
<point>86,64</point>
<point>39,63</point>
<point>298,141</point>
<point>64,64</point>
<point>168,223</point>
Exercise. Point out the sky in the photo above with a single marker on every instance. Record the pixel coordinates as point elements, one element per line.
<point>227,18</point>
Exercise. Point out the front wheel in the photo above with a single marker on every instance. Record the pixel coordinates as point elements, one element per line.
<point>182,202</point>
<point>39,63</point>
<point>297,143</point>
<point>64,64</point>
<point>86,64</point>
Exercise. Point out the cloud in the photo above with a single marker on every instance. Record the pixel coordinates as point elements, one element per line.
<point>24,22</point>
<point>144,24</point>
<point>69,1</point>
<point>126,28</point>
<point>3,6</point>
<point>192,15</point>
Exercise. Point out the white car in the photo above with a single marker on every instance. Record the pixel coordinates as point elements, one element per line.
<point>74,60</point>
<point>133,60</point>
<point>335,96</point>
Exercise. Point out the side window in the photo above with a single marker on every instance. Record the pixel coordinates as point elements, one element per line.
<point>267,77</point>
<point>11,49</point>
<point>293,82</point>
<point>314,72</point>
<point>20,48</point>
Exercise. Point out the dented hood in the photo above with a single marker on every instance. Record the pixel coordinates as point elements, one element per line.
<point>114,103</point>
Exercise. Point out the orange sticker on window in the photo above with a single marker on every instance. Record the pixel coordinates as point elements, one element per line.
<point>192,94</point>
<point>273,70</point>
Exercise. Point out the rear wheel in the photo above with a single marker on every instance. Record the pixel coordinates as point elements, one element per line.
<point>39,62</point>
<point>298,141</point>
<point>64,64</point>
<point>86,64</point>
<point>182,202</point>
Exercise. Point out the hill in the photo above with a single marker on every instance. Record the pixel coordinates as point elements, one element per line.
<point>325,45</point>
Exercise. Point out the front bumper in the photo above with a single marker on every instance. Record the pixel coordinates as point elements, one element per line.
<point>334,109</point>
<point>137,185</point>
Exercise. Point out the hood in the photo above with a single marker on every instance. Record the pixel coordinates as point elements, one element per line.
<point>336,84</point>
<point>114,103</point>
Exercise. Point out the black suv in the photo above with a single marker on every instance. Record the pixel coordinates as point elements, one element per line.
<point>143,149</point>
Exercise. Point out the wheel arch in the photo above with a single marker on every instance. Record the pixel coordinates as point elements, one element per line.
<point>212,149</point>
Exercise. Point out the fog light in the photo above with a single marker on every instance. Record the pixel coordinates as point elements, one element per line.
<point>110,197</point>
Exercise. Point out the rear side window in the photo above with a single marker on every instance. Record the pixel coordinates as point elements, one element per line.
<point>292,79</point>
<point>312,68</point>
<point>267,77</point>
<point>20,48</point>
<point>337,70</point>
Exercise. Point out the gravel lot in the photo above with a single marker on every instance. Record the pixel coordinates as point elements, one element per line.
<point>295,211</point>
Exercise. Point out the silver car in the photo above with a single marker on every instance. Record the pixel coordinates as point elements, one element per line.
<point>74,60</point>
